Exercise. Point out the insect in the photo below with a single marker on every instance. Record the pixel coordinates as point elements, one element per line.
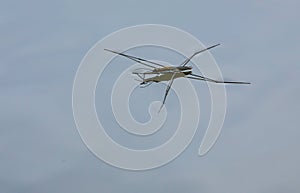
<point>159,72</point>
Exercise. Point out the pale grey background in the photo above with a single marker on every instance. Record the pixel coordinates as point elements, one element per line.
<point>43,42</point>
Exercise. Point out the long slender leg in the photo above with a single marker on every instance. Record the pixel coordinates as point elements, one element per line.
<point>198,77</point>
<point>196,53</point>
<point>167,90</point>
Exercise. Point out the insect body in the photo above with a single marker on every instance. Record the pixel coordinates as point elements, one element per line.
<point>159,72</point>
